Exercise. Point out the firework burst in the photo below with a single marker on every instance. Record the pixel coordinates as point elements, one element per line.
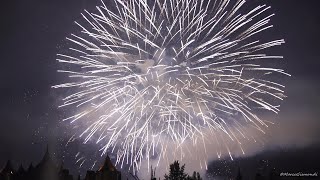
<point>144,73</point>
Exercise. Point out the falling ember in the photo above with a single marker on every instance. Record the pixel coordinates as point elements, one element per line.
<point>145,73</point>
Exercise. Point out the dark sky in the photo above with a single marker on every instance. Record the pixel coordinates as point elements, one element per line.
<point>34,31</point>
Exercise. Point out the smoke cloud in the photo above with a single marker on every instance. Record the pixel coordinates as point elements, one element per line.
<point>296,126</point>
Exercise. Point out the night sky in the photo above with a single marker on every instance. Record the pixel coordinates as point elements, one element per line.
<point>34,31</point>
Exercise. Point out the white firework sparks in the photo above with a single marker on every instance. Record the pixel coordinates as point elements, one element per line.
<point>167,71</point>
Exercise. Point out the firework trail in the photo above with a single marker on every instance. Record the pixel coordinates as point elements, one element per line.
<point>167,71</point>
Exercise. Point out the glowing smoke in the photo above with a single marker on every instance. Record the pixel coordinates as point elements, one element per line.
<point>161,80</point>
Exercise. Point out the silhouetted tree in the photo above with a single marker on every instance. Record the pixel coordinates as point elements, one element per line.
<point>176,172</point>
<point>195,176</point>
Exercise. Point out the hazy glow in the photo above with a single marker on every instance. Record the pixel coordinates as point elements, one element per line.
<point>145,74</point>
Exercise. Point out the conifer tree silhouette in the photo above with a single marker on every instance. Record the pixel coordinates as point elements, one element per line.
<point>176,172</point>
<point>195,176</point>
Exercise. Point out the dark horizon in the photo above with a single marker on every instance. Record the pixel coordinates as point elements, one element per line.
<point>284,160</point>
